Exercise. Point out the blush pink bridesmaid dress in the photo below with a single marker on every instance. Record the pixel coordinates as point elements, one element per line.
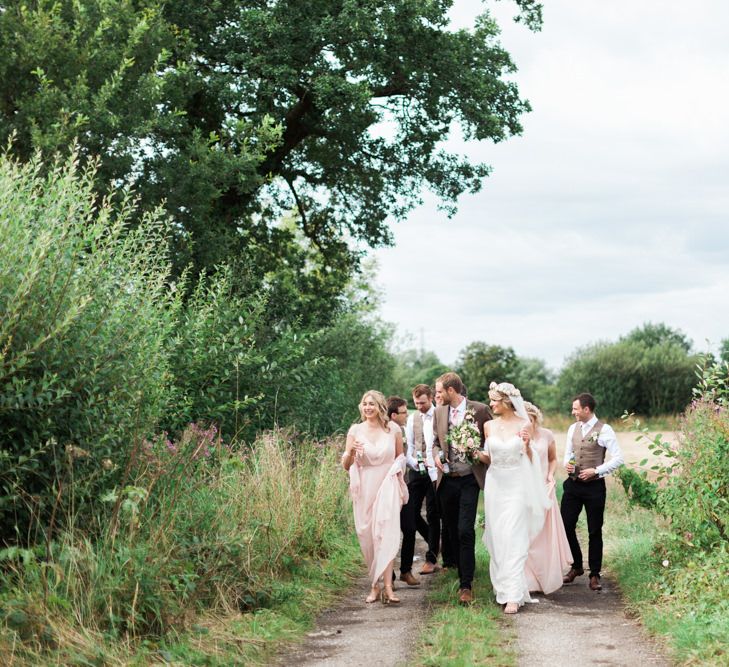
<point>549,552</point>
<point>378,492</point>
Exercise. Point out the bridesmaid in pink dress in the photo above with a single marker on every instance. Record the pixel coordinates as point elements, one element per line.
<point>375,461</point>
<point>549,553</point>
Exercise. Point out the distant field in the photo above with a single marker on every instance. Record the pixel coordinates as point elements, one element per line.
<point>634,451</point>
<point>557,422</point>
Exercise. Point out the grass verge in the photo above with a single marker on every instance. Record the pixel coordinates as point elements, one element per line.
<point>686,604</point>
<point>213,560</point>
<point>457,636</point>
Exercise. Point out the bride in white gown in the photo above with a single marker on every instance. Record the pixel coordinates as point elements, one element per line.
<point>515,495</point>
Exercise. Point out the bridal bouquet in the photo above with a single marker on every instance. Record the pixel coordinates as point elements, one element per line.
<point>464,440</point>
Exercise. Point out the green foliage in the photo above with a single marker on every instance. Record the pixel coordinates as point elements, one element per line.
<point>207,528</point>
<point>678,571</point>
<point>480,364</point>
<point>638,488</point>
<point>415,367</point>
<point>87,310</point>
<point>648,372</point>
<point>536,382</point>
<point>696,496</point>
<point>655,335</point>
<point>200,106</point>
<point>679,592</point>
<point>232,367</point>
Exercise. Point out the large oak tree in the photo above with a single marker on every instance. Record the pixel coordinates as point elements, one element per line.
<point>281,134</point>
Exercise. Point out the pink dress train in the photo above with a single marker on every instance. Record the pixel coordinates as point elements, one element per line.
<point>378,492</point>
<point>549,552</point>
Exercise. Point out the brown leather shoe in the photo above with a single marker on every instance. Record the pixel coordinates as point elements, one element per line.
<point>465,596</point>
<point>595,584</point>
<point>429,568</point>
<point>409,579</point>
<point>572,575</point>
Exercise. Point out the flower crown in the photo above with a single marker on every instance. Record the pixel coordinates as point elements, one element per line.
<point>505,388</point>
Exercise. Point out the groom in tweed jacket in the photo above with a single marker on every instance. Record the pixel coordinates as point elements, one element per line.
<point>458,489</point>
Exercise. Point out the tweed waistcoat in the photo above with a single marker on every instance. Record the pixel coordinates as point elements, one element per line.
<point>588,454</point>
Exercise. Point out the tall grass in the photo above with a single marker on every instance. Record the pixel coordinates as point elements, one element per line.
<point>197,531</point>
<point>683,601</point>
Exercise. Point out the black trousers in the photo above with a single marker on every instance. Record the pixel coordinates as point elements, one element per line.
<point>411,520</point>
<point>591,496</point>
<point>459,500</point>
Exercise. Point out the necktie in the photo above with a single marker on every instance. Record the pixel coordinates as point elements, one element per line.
<point>454,417</point>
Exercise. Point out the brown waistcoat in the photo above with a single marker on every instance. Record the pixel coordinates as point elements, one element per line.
<point>418,443</point>
<point>587,454</point>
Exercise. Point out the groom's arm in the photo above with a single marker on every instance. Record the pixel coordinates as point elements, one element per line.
<point>609,440</point>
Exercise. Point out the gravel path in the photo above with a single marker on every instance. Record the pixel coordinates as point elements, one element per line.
<point>575,625</point>
<point>355,634</point>
<point>571,626</point>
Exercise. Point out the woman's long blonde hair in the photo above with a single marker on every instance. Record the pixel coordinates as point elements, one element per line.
<point>379,399</point>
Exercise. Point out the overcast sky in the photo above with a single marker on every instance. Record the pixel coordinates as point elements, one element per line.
<point>610,210</point>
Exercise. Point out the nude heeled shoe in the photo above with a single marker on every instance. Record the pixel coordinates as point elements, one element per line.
<point>374,595</point>
<point>511,608</point>
<point>388,597</point>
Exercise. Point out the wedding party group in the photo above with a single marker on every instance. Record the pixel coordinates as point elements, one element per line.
<point>449,450</point>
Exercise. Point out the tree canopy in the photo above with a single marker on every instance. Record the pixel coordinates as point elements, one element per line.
<point>234,114</point>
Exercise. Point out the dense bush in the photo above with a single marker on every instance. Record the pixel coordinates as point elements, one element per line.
<point>644,374</point>
<point>689,483</point>
<point>87,312</point>
<point>194,526</point>
<point>99,349</point>
<point>696,494</point>
<point>233,367</point>
<point>681,574</point>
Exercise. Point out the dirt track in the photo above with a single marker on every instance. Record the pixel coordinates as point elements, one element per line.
<point>355,634</point>
<point>571,626</point>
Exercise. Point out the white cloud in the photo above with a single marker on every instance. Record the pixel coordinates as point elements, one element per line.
<point>610,210</point>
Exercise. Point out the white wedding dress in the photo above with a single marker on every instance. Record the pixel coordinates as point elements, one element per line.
<point>515,503</point>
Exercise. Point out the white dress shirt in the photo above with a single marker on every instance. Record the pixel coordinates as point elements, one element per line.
<point>606,439</point>
<point>410,459</point>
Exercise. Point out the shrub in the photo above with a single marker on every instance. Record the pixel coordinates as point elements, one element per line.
<point>193,525</point>
<point>696,496</point>
<point>233,367</point>
<point>631,375</point>
<point>639,489</point>
<point>87,311</point>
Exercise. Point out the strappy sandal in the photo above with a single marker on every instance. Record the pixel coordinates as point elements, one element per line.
<point>374,595</point>
<point>388,597</point>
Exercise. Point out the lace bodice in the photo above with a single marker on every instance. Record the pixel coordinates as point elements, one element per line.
<point>505,453</point>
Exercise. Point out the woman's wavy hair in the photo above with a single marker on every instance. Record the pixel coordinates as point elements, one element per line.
<point>535,414</point>
<point>379,399</point>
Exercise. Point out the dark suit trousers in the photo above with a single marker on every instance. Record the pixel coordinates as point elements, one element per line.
<point>411,520</point>
<point>459,501</point>
<point>591,496</point>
